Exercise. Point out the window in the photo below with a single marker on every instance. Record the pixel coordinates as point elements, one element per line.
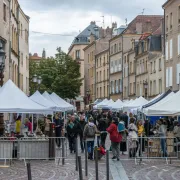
<point>125,92</point>
<point>107,75</point>
<point>104,75</point>
<point>130,88</point>
<point>146,67</point>
<point>115,48</point>
<point>100,76</point>
<point>100,93</point>
<point>21,30</point>
<point>107,90</point>
<point>154,66</point>
<point>77,54</point>
<point>100,61</point>
<point>97,92</point>
<point>138,90</point>
<point>160,86</point>
<point>168,76</point>
<point>178,44</point>
<point>4,12</point>
<point>104,91</point>
<point>154,87</point>
<point>134,88</point>
<point>111,66</point>
<point>177,73</point>
<point>167,23</point>
<point>167,51</point>
<point>171,20</point>
<point>21,59</point>
<point>115,67</point>
<point>131,70</point>
<point>124,59</point>
<point>151,88</point>
<point>119,46</point>
<point>171,48</point>
<point>97,76</point>
<point>160,64</point>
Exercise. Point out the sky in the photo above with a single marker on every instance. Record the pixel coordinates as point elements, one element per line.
<point>62,20</point>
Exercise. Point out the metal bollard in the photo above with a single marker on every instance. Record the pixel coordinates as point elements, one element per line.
<point>80,168</point>
<point>96,162</point>
<point>29,171</point>
<point>63,151</point>
<point>107,165</point>
<point>86,159</point>
<point>76,149</point>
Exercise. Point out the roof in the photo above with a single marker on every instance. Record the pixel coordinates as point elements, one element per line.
<point>158,31</point>
<point>144,36</point>
<point>35,57</point>
<point>149,23</point>
<point>83,37</point>
<point>166,3</point>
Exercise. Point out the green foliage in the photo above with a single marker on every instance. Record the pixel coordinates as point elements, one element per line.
<point>60,75</point>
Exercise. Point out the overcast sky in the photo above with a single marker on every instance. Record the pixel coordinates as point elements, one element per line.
<point>69,17</point>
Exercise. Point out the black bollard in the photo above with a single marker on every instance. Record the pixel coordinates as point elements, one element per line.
<point>96,162</point>
<point>76,154</point>
<point>107,165</point>
<point>63,151</point>
<point>86,159</point>
<point>29,171</point>
<point>80,168</point>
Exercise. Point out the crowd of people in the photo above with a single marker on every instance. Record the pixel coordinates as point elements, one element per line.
<point>86,125</point>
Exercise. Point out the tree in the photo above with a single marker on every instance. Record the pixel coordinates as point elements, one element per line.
<point>60,75</point>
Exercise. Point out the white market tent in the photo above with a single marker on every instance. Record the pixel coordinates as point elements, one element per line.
<point>12,99</point>
<point>117,105</point>
<point>164,100</point>
<point>99,105</point>
<point>167,108</point>
<point>135,104</point>
<point>61,102</point>
<point>39,99</point>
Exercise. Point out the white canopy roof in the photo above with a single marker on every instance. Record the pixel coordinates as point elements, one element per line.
<point>103,103</point>
<point>61,102</point>
<point>164,100</point>
<point>136,103</point>
<point>117,105</point>
<point>170,106</point>
<point>38,98</point>
<point>12,99</point>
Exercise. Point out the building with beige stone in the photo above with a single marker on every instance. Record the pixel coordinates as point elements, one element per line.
<point>172,43</point>
<point>97,64</point>
<point>5,34</point>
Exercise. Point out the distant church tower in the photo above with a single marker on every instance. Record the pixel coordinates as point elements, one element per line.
<point>44,54</point>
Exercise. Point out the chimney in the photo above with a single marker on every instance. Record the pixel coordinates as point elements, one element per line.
<point>114,25</point>
<point>93,23</point>
<point>92,38</point>
<point>101,33</point>
<point>139,28</point>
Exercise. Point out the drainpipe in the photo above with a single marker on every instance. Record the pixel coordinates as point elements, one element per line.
<point>164,44</point>
<point>18,28</point>
<point>10,62</point>
<point>128,75</point>
<point>122,67</point>
<point>109,72</point>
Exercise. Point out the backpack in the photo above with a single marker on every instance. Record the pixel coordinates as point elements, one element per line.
<point>120,127</point>
<point>91,131</point>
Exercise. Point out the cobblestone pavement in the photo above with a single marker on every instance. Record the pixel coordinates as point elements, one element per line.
<point>48,170</point>
<point>151,169</point>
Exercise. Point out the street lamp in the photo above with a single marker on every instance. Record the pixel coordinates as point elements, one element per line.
<point>2,66</point>
<point>146,88</point>
<point>37,80</point>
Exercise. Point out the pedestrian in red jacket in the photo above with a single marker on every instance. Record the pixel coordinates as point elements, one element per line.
<point>115,138</point>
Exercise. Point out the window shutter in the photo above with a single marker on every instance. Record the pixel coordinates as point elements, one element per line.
<point>116,66</point>
<point>179,44</point>
<point>167,48</point>
<point>127,71</point>
<point>171,46</point>
<point>170,76</point>
<point>140,90</point>
<point>167,77</point>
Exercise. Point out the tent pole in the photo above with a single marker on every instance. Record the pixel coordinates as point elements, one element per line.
<point>32,124</point>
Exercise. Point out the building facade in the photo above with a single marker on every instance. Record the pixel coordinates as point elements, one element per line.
<point>5,34</point>
<point>76,51</point>
<point>172,43</point>
<point>19,64</point>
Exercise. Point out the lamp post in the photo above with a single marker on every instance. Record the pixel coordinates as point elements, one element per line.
<point>2,66</point>
<point>88,95</point>
<point>146,88</point>
<point>37,80</point>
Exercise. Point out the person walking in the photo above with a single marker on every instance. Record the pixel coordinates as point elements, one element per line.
<point>141,132</point>
<point>82,124</point>
<point>102,126</point>
<point>71,134</point>
<point>90,131</point>
<point>115,138</point>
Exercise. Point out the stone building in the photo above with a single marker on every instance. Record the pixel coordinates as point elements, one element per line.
<point>5,34</point>
<point>76,51</point>
<point>172,43</point>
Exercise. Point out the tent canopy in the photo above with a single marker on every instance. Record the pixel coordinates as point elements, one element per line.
<point>12,99</point>
<point>168,107</point>
<point>117,105</point>
<point>61,102</point>
<point>38,98</point>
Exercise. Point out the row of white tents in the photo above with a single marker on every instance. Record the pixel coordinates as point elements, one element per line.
<point>13,100</point>
<point>167,104</point>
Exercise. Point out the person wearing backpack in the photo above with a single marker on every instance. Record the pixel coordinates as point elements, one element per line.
<point>115,138</point>
<point>90,130</point>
